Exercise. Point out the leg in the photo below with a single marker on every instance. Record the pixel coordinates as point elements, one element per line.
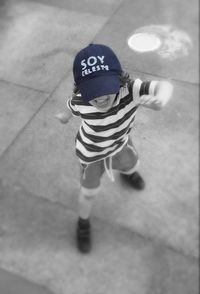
<point>90,186</point>
<point>127,162</point>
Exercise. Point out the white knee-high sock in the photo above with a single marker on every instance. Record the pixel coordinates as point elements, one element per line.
<point>86,201</point>
<point>132,170</point>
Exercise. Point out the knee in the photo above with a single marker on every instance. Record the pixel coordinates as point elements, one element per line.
<point>132,169</point>
<point>130,161</point>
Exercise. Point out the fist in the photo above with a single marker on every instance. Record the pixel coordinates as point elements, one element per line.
<point>161,97</point>
<point>164,93</point>
<point>151,102</point>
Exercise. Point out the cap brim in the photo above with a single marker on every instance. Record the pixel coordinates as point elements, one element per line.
<point>99,86</point>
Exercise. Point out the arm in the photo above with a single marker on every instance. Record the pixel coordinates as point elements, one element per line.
<point>69,111</point>
<point>159,98</point>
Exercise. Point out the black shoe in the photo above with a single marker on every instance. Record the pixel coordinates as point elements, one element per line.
<point>83,235</point>
<point>135,180</point>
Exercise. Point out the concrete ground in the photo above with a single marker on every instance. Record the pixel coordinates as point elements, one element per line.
<point>143,242</point>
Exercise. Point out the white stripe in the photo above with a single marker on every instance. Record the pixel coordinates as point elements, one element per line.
<point>84,109</point>
<point>89,154</point>
<point>81,108</point>
<point>70,106</point>
<point>152,87</point>
<point>123,92</point>
<point>136,88</point>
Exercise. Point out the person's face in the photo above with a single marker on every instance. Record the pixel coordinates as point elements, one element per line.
<point>103,103</point>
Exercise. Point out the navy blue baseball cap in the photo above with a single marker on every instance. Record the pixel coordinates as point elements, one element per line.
<point>96,71</point>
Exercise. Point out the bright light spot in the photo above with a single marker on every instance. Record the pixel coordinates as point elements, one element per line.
<point>144,42</point>
<point>166,40</point>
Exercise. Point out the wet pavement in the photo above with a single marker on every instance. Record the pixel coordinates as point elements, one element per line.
<point>143,242</point>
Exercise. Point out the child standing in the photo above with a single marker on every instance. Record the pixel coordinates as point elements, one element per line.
<point>107,100</point>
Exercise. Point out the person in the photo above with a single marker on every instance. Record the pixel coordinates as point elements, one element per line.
<point>106,99</point>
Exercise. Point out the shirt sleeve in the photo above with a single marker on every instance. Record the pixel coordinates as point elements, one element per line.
<point>141,88</point>
<point>72,106</point>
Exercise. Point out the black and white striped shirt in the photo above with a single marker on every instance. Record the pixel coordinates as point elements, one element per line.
<point>103,134</point>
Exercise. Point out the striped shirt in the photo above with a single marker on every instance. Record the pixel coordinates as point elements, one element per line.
<point>103,134</point>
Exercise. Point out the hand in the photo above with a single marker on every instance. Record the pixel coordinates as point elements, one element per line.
<point>150,102</point>
<point>164,93</point>
<point>62,117</point>
<point>161,98</point>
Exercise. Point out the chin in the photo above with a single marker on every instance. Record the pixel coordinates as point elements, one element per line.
<point>104,109</point>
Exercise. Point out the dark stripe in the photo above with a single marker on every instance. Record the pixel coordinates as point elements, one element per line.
<point>141,92</point>
<point>144,89</point>
<point>79,102</point>
<point>97,157</point>
<point>89,147</point>
<point>130,88</point>
<point>77,113</point>
<point>92,147</point>
<point>115,124</point>
<point>114,136</point>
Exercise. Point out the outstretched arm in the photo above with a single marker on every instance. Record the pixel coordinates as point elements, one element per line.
<point>162,94</point>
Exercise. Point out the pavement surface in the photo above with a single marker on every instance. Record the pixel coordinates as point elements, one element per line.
<point>143,242</point>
